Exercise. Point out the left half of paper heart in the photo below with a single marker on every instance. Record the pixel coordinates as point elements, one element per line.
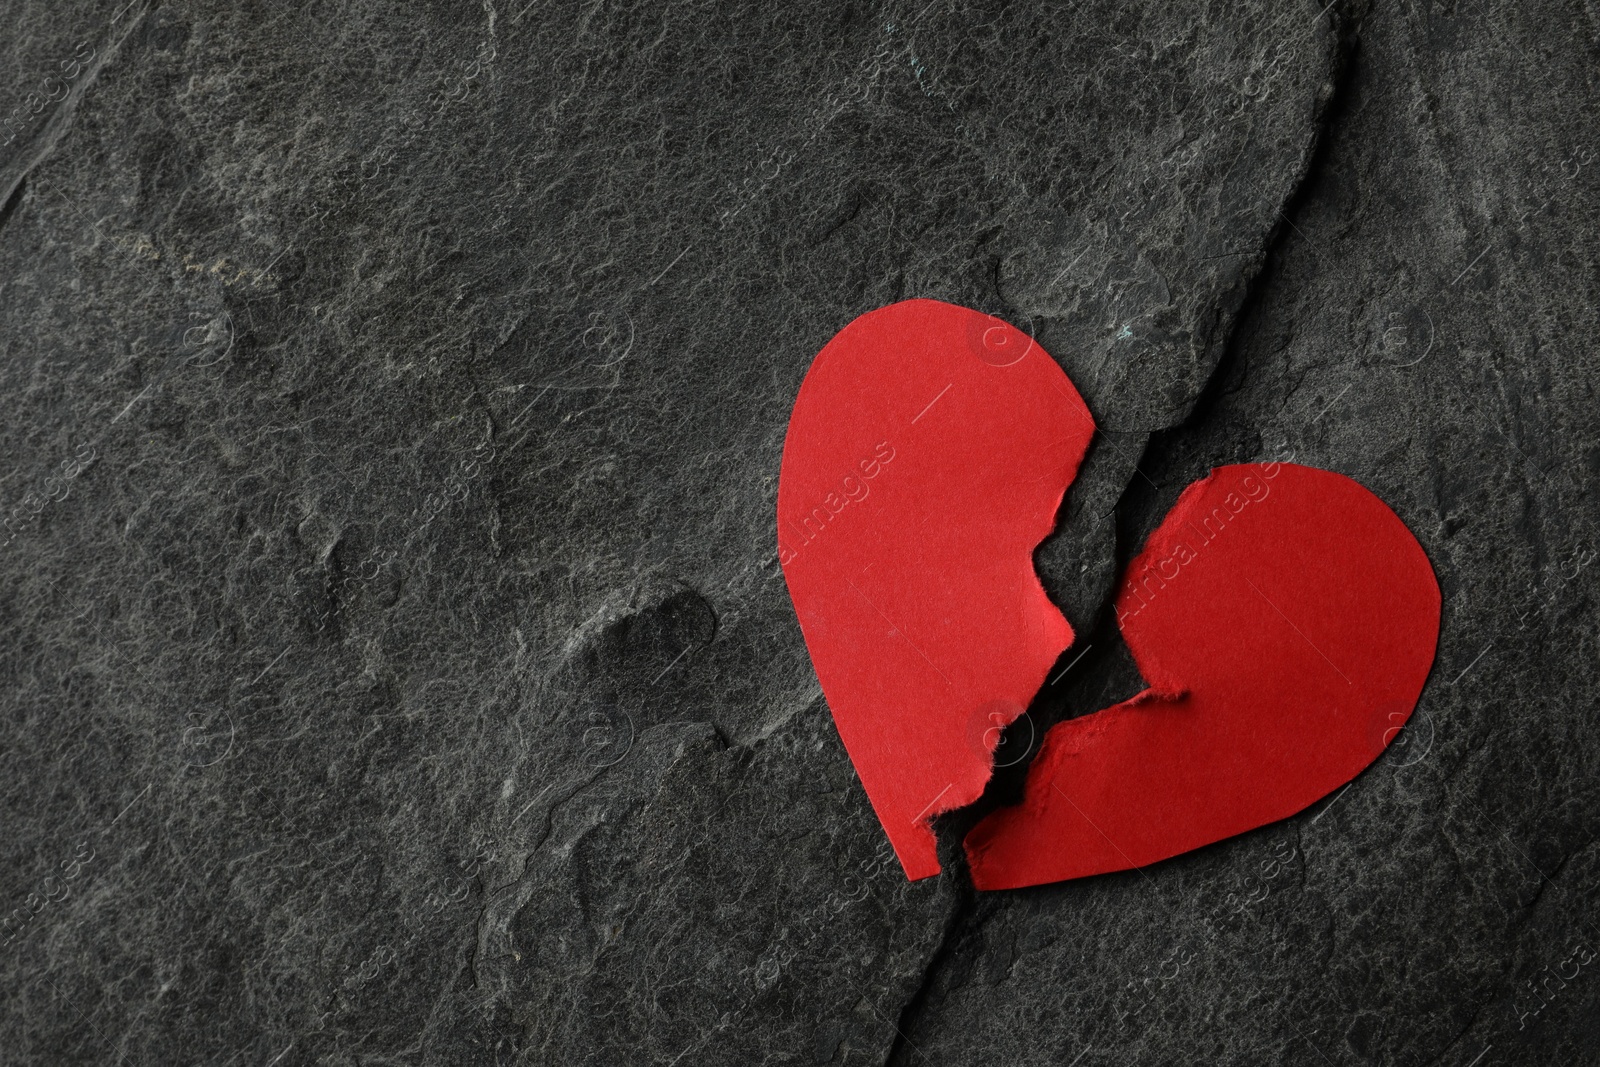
<point>927,456</point>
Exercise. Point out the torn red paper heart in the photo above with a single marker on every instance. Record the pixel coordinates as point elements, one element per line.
<point>1284,617</point>
<point>1285,620</point>
<point>926,457</point>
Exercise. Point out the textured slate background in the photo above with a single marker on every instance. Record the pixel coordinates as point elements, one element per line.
<point>395,663</point>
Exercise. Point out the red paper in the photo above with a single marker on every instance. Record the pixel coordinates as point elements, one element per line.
<point>926,457</point>
<point>1285,620</point>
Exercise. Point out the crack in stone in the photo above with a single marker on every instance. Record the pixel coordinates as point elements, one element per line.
<point>1101,668</point>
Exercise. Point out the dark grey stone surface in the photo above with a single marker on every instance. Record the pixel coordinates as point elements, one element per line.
<point>395,663</point>
<point>1426,326</point>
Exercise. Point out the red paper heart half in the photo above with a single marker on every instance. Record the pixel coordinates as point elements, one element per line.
<point>1285,620</point>
<point>927,456</point>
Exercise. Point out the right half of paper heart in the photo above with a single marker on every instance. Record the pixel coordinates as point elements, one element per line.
<point>1285,620</point>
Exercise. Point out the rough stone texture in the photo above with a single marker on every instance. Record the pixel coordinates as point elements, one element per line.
<point>1426,326</point>
<point>395,663</point>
